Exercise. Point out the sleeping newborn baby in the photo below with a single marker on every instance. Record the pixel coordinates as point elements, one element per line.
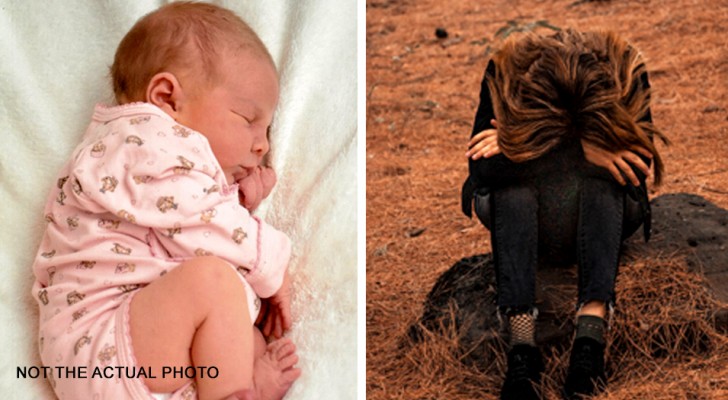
<point>151,262</point>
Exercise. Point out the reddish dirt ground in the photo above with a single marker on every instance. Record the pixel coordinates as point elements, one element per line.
<point>422,92</point>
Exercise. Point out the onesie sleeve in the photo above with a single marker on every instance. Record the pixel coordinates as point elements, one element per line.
<point>163,177</point>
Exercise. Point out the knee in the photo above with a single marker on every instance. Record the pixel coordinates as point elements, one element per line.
<point>483,209</point>
<point>516,197</point>
<point>209,277</point>
<point>519,193</point>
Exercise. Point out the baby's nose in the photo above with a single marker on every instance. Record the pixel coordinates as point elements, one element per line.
<point>261,146</point>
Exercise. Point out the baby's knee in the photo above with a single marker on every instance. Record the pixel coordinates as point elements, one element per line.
<point>211,276</point>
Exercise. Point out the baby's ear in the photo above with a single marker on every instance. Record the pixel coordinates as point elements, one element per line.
<point>165,92</point>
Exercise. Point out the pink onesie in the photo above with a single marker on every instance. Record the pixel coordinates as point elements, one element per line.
<point>140,195</point>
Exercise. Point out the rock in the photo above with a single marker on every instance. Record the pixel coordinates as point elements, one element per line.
<point>441,33</point>
<point>466,295</point>
<point>712,108</point>
<point>692,226</point>
<point>683,224</point>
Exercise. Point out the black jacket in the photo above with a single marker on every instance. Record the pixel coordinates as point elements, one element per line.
<point>498,170</point>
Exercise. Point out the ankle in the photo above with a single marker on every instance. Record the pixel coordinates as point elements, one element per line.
<point>592,327</point>
<point>522,329</point>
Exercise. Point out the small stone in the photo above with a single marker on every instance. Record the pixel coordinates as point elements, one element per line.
<point>711,108</point>
<point>441,33</point>
<point>416,232</point>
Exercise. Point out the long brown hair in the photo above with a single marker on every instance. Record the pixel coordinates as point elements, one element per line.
<point>576,85</point>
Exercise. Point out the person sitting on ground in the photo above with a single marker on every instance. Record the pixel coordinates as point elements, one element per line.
<point>559,156</point>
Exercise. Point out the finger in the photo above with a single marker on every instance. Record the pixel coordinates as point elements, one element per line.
<point>284,349</point>
<point>248,189</point>
<point>269,320</point>
<point>494,123</point>
<point>494,150</point>
<point>616,174</point>
<point>627,170</point>
<point>268,177</point>
<point>259,187</point>
<point>291,374</point>
<point>491,150</point>
<point>286,317</point>
<point>274,327</point>
<point>475,148</point>
<point>644,152</point>
<point>288,361</point>
<point>278,332</point>
<point>484,152</point>
<point>481,135</point>
<point>635,160</point>
<point>279,348</point>
<point>478,148</point>
<point>256,191</point>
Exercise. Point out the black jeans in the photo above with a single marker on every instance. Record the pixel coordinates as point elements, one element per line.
<point>572,213</point>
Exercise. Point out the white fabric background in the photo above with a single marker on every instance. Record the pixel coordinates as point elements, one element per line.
<point>54,58</point>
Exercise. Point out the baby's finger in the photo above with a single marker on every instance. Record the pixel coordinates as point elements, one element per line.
<point>268,178</point>
<point>627,170</point>
<point>275,330</point>
<point>248,189</point>
<point>494,123</point>
<point>279,326</point>
<point>285,312</point>
<point>269,321</point>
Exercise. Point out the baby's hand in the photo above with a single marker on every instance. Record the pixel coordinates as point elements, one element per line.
<point>256,186</point>
<point>618,163</point>
<point>484,144</point>
<point>275,312</point>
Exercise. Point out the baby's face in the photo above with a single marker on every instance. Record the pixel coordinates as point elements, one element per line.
<point>235,115</point>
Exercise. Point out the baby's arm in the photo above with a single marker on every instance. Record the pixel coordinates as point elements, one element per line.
<point>275,316</point>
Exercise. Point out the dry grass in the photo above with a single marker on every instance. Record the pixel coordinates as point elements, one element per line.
<point>662,345</point>
<point>421,97</point>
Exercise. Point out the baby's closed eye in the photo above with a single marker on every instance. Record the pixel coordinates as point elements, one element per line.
<point>247,119</point>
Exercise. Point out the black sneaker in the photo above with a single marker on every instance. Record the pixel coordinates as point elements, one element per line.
<point>586,369</point>
<point>523,377</point>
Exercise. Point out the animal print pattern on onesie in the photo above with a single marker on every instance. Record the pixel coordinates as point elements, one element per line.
<point>155,196</point>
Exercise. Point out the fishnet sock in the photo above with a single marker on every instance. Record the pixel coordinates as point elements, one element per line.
<point>523,329</point>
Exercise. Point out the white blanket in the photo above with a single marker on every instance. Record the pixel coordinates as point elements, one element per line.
<point>54,58</point>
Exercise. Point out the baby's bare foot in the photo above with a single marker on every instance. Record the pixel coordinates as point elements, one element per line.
<point>274,372</point>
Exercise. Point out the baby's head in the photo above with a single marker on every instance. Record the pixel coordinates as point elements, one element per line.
<point>205,67</point>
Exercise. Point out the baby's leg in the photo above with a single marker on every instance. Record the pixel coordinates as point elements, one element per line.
<point>195,315</point>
